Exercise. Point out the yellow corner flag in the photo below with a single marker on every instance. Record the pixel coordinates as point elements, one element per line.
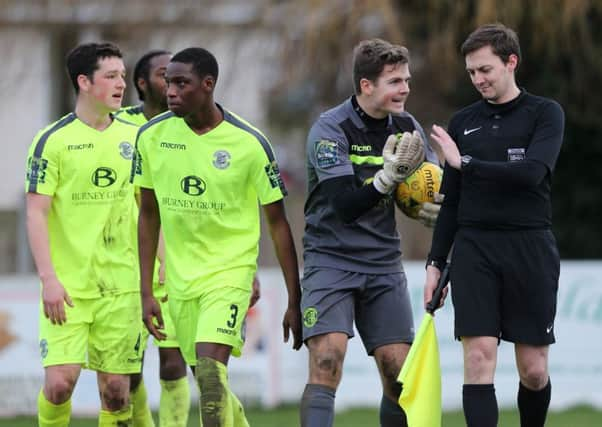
<point>420,377</point>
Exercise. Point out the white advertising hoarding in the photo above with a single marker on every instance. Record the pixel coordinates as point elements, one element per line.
<point>270,372</point>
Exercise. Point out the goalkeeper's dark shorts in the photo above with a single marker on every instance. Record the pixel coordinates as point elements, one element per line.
<point>504,284</point>
<point>379,303</point>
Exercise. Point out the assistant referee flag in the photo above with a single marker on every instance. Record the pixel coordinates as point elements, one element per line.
<point>420,375</point>
<point>421,378</point>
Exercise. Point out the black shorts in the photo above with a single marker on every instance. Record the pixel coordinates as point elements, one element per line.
<point>504,284</point>
<point>378,303</point>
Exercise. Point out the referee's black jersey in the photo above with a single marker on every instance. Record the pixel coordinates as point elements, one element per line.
<point>514,147</point>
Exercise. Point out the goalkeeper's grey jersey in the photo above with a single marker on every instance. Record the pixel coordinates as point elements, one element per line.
<point>341,144</point>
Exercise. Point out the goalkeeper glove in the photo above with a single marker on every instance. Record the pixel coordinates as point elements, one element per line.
<point>409,155</point>
<point>402,155</point>
<point>429,212</point>
<point>384,179</point>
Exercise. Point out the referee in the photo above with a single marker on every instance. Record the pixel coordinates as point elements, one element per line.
<point>500,154</point>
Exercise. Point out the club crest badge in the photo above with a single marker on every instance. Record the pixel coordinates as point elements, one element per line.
<point>126,150</point>
<point>221,159</point>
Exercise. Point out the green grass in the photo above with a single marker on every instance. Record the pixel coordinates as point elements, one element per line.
<point>288,417</point>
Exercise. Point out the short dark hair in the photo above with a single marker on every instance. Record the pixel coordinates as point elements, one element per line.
<point>83,59</point>
<point>503,41</point>
<point>142,68</point>
<point>371,56</point>
<point>203,62</point>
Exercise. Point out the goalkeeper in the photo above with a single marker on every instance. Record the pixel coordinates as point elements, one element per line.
<point>357,153</point>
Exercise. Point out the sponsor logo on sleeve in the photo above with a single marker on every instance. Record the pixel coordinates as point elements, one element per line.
<point>273,173</point>
<point>516,154</point>
<point>36,170</point>
<point>326,153</point>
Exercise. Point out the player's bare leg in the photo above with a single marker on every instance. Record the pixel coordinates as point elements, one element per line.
<point>478,395</point>
<point>326,356</point>
<point>535,388</point>
<point>389,360</point>
<point>114,396</point>
<point>54,400</point>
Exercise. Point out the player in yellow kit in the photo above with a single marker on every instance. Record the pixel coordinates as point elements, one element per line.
<point>81,228</point>
<point>174,405</point>
<point>204,170</point>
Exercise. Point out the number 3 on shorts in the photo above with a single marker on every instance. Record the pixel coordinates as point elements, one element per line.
<point>232,323</point>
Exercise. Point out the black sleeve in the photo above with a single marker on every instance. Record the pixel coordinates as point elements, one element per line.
<point>526,173</point>
<point>447,221</point>
<point>347,200</point>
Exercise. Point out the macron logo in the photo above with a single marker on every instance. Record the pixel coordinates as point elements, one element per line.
<point>469,131</point>
<point>173,146</point>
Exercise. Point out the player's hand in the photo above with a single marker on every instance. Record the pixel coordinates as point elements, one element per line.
<point>447,145</point>
<point>432,279</point>
<point>292,322</point>
<point>54,297</point>
<point>256,292</point>
<point>429,212</point>
<point>151,311</point>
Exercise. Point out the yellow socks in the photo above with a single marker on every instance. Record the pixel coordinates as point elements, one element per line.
<point>121,418</point>
<point>141,413</point>
<point>215,401</point>
<point>240,420</point>
<point>51,415</point>
<point>174,403</point>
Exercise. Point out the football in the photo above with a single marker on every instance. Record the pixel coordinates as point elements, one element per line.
<point>418,188</point>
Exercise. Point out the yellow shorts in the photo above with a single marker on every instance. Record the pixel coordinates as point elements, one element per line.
<point>98,335</point>
<point>216,316</point>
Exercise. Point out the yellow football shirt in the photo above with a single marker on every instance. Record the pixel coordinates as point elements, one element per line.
<point>92,218</point>
<point>133,114</point>
<point>208,188</point>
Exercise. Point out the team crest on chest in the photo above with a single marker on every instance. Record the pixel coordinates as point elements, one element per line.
<point>221,159</point>
<point>126,150</point>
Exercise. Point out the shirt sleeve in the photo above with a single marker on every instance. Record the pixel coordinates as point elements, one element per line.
<point>328,150</point>
<point>141,173</point>
<point>43,163</point>
<point>265,174</point>
<point>526,173</point>
<point>547,137</point>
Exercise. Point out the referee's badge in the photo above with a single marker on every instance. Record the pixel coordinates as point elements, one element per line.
<point>516,154</point>
<point>221,159</point>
